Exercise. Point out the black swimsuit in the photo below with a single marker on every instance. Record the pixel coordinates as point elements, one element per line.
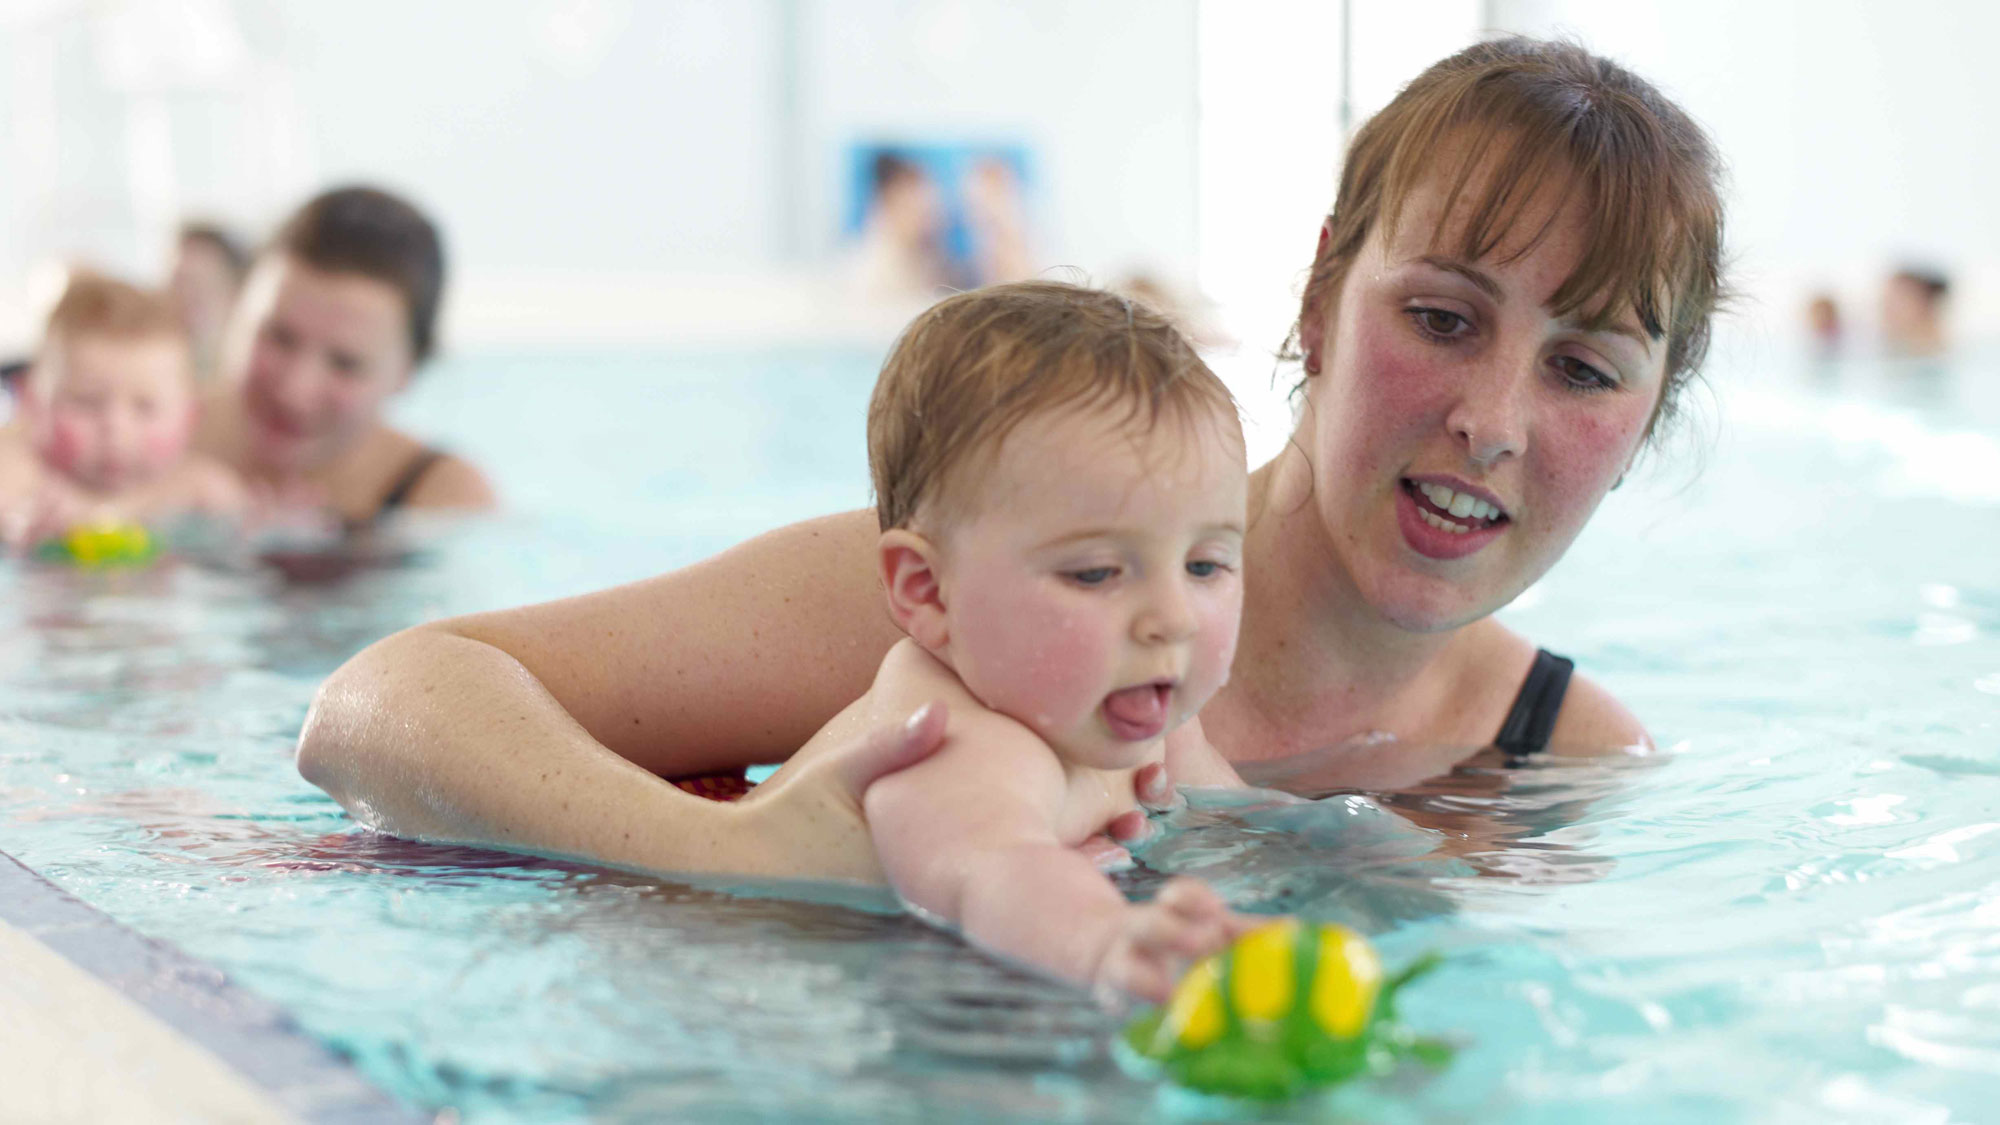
<point>400,489</point>
<point>406,483</point>
<point>1533,717</point>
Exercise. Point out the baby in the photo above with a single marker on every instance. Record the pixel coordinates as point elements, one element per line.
<point>107,410</point>
<point>1061,488</point>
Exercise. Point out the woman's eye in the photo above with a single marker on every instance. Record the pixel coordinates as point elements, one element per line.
<point>1583,376</point>
<point>1442,324</point>
<point>1095,576</point>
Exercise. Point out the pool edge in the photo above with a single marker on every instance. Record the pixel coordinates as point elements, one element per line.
<point>247,1034</point>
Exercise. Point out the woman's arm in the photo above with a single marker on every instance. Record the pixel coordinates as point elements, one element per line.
<point>542,728</point>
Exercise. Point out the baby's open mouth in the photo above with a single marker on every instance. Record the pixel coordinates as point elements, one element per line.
<point>1455,512</point>
<point>1136,714</point>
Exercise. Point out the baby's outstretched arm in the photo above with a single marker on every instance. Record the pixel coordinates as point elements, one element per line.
<point>969,839</point>
<point>1185,922</point>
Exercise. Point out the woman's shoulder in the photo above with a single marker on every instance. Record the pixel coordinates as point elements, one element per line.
<point>425,476</point>
<point>1593,719</point>
<point>1589,717</point>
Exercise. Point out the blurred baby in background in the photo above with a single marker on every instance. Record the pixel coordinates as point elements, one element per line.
<point>106,412</point>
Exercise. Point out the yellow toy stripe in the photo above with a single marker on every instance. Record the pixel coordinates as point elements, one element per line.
<point>1263,972</point>
<point>1194,1015</point>
<point>1345,982</point>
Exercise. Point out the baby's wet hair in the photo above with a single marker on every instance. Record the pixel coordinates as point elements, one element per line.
<point>100,306</point>
<point>974,366</point>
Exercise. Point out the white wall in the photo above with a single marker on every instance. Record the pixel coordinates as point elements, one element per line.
<point>1856,132</point>
<point>1103,92</point>
<point>605,169</point>
<point>1271,142</point>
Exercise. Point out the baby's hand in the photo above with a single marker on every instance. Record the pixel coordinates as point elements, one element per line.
<point>1160,939</point>
<point>43,515</point>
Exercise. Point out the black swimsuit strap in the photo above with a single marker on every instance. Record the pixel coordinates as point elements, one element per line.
<point>1533,717</point>
<point>407,481</point>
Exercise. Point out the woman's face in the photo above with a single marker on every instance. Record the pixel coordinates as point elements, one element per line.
<point>1461,434</point>
<point>326,351</point>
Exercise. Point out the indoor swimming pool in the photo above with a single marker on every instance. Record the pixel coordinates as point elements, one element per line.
<point>1791,913</point>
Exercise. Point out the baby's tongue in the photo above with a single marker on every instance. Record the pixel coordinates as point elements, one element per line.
<point>1136,713</point>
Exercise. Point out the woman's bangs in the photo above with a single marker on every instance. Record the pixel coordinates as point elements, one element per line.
<point>1509,183</point>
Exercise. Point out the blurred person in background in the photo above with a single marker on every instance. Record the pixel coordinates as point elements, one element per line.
<point>106,414</point>
<point>1189,310</point>
<point>902,254</point>
<point>205,277</point>
<point>337,315</point>
<point>1823,325</point>
<point>996,216</point>
<point>1913,308</point>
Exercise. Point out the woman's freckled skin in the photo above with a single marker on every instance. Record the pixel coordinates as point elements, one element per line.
<point>1553,450</point>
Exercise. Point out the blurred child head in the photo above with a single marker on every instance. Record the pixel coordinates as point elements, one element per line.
<point>109,400</point>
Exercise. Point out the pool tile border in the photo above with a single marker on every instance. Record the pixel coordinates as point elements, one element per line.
<point>251,1035</point>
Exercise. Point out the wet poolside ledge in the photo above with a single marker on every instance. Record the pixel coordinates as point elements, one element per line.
<point>99,1023</point>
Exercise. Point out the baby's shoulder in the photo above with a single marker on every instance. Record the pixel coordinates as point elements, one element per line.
<point>910,677</point>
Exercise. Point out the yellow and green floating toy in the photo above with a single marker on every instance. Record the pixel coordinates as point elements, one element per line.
<point>103,544</point>
<point>1288,1007</point>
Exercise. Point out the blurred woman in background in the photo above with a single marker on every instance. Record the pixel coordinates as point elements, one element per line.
<point>338,312</point>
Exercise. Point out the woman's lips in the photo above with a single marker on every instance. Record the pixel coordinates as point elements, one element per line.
<point>1434,532</point>
<point>1137,714</point>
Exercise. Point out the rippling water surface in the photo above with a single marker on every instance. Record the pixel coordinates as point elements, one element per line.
<point>1791,913</point>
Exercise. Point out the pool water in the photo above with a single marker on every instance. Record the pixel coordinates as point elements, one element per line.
<point>1791,913</point>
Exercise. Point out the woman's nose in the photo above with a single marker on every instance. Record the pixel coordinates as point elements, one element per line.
<point>292,383</point>
<point>1490,417</point>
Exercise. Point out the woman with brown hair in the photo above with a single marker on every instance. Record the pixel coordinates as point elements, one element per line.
<point>1512,290</point>
<point>337,314</point>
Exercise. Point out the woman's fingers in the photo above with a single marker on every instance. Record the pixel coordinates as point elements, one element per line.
<point>1129,827</point>
<point>889,749</point>
<point>1106,853</point>
<point>1155,788</point>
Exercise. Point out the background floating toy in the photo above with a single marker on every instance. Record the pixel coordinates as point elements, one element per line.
<point>1288,1007</point>
<point>109,544</point>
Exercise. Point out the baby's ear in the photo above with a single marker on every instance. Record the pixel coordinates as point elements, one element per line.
<point>909,570</point>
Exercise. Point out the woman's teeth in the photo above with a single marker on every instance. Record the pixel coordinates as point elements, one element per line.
<point>1458,504</point>
<point>1443,524</point>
